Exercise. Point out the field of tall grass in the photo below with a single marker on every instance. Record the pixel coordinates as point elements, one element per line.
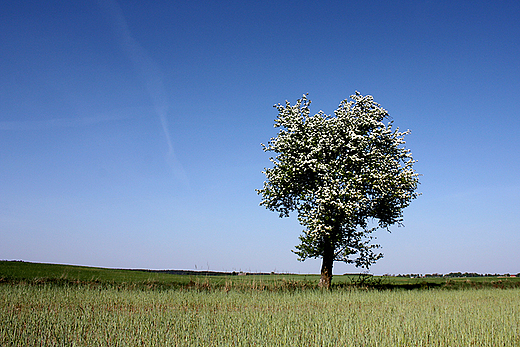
<point>51,315</point>
<point>63,305</point>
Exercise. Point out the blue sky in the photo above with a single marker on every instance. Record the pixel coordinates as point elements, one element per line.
<point>130,132</point>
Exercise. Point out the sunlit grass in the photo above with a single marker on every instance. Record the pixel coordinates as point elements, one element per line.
<point>83,315</point>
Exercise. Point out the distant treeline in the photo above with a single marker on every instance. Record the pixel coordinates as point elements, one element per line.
<point>455,274</point>
<point>205,273</point>
<point>239,273</point>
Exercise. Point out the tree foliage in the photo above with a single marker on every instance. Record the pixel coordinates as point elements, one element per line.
<point>346,175</point>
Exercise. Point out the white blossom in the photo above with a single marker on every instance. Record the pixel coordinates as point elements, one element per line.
<point>339,173</point>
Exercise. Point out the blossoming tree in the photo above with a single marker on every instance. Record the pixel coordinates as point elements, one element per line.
<point>346,176</point>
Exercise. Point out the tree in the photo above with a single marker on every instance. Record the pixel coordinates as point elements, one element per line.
<point>346,175</point>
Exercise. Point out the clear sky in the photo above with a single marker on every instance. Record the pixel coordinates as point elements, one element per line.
<point>130,131</point>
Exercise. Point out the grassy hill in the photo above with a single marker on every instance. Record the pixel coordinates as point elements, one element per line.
<point>42,273</point>
<point>18,271</point>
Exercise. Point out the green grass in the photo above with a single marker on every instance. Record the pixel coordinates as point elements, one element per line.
<point>38,273</point>
<point>17,271</point>
<point>48,315</point>
<point>62,305</point>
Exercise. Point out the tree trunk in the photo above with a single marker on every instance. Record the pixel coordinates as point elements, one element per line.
<point>326,265</point>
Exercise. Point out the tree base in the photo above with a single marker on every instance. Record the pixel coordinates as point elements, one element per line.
<point>325,282</point>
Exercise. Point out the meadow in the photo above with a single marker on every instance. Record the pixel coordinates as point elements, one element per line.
<point>236,311</point>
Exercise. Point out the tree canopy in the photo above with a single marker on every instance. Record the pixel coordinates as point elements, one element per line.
<point>346,175</point>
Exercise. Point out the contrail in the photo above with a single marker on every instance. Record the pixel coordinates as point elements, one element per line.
<point>149,71</point>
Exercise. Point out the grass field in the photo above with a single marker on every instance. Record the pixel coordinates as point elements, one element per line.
<point>82,316</point>
<point>129,308</point>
